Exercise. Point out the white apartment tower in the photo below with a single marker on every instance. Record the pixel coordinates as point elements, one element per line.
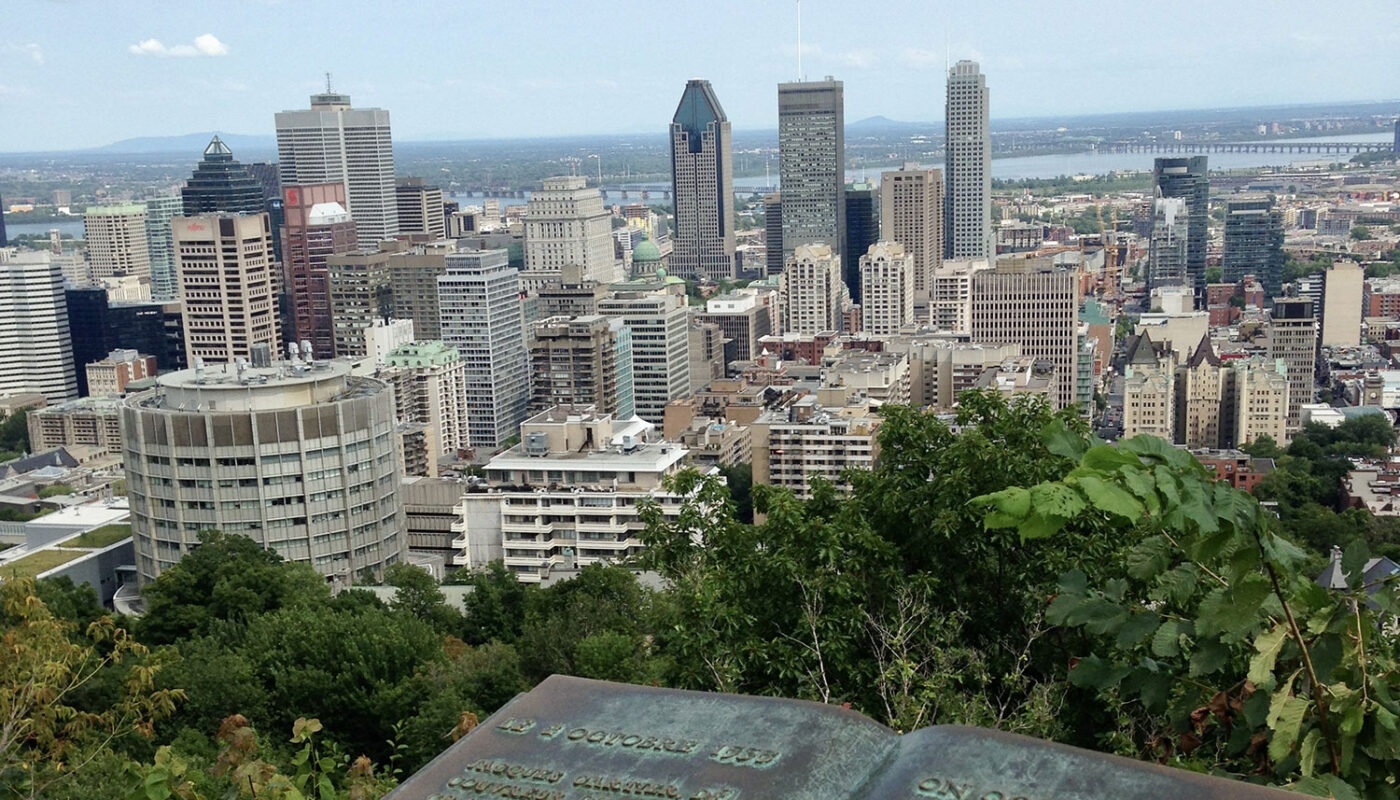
<point>479,307</point>
<point>886,289</point>
<point>911,213</point>
<point>1293,334</point>
<point>811,290</point>
<point>429,381</point>
<point>116,241</point>
<point>36,351</point>
<point>228,284</point>
<point>812,163</point>
<point>967,211</point>
<point>660,333</point>
<point>334,143</point>
<point>702,176</point>
<point>566,223</point>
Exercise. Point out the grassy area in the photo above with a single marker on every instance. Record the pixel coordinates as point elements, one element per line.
<point>37,563</point>
<point>101,537</point>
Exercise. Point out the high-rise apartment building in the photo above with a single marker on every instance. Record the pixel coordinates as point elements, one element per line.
<point>315,227</point>
<point>116,241</point>
<point>812,164</point>
<point>702,177</point>
<point>573,362</point>
<point>1293,334</point>
<point>36,351</point>
<point>5,239</point>
<point>420,207</point>
<point>1257,399</point>
<point>911,213</point>
<point>1149,389</point>
<point>334,143</point>
<point>887,289</point>
<point>1188,179</point>
<point>1038,308</point>
<point>658,324</point>
<point>160,247</point>
<point>429,380</point>
<point>1343,288</point>
<point>301,460</point>
<point>811,290</point>
<point>479,300</point>
<point>566,223</point>
<point>773,233</point>
<point>1200,399</point>
<point>967,208</point>
<point>743,319</point>
<point>1168,248</point>
<point>1254,243</point>
<point>221,185</point>
<point>862,231</point>
<point>950,294</point>
<point>228,285</point>
<point>413,272</point>
<point>360,298</point>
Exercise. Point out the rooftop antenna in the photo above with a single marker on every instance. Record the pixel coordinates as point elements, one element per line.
<point>328,84</point>
<point>799,40</point>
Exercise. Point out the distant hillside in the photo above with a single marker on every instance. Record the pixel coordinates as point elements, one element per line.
<point>190,143</point>
<point>885,125</point>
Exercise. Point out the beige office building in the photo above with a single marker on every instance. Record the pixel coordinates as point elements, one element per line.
<point>1341,305</point>
<point>117,245</point>
<point>566,223</point>
<point>429,383</point>
<point>421,213</point>
<point>886,289</point>
<point>950,294</point>
<point>228,285</point>
<point>911,213</point>
<point>1038,308</point>
<point>414,272</point>
<point>359,294</point>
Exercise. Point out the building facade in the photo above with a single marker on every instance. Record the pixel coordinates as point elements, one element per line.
<point>299,459</point>
<point>1038,308</point>
<point>228,285</point>
<point>360,297</point>
<point>1293,335</point>
<point>109,377</point>
<point>334,143</point>
<point>811,290</point>
<point>1187,178</point>
<point>658,326</point>
<point>702,179</point>
<point>573,362</point>
<point>429,381</point>
<point>421,214</point>
<point>1168,248</point>
<point>1254,243</point>
<point>116,241</point>
<point>566,223</point>
<point>911,213</point>
<point>887,286</point>
<point>862,231</point>
<point>221,185</point>
<point>160,246</point>
<point>1343,288</point>
<point>967,207</point>
<point>812,164</point>
<point>36,347</point>
<point>315,227</point>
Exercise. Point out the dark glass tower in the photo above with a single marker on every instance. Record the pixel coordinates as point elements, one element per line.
<point>97,328</point>
<point>1188,179</point>
<point>4,240</point>
<point>702,173</point>
<point>862,230</point>
<point>221,185</point>
<point>1254,243</point>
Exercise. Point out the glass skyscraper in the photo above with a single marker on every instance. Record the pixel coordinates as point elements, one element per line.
<point>221,185</point>
<point>1188,179</point>
<point>1254,243</point>
<point>702,173</point>
<point>812,163</point>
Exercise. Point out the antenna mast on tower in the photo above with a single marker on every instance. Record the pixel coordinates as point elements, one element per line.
<point>328,83</point>
<point>799,40</point>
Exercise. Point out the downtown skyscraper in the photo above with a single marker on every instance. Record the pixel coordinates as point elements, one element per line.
<point>334,143</point>
<point>967,210</point>
<point>702,172</point>
<point>1187,178</point>
<point>812,163</point>
<point>479,297</point>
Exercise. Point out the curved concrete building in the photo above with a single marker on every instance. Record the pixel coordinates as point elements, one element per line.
<point>300,458</point>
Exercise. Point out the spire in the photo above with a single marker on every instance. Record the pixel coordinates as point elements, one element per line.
<point>217,148</point>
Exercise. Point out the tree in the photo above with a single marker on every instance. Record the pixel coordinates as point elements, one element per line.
<point>225,577</point>
<point>1214,275</point>
<point>56,490</point>
<point>14,432</point>
<point>418,595</point>
<point>495,608</point>
<point>604,604</point>
<point>1361,233</point>
<point>44,736</point>
<point>739,479</point>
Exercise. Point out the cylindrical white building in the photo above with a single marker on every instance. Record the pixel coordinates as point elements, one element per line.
<point>298,457</point>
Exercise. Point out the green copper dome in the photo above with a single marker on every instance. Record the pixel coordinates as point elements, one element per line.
<point>646,253</point>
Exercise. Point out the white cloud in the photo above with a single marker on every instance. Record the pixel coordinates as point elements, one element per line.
<point>206,45</point>
<point>30,49</point>
<point>856,59</point>
<point>920,58</point>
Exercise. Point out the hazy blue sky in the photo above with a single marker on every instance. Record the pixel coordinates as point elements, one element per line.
<point>77,73</point>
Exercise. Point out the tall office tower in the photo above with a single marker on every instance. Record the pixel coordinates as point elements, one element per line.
<point>702,176</point>
<point>862,231</point>
<point>429,382</point>
<point>566,223</point>
<point>1345,284</point>
<point>811,289</point>
<point>911,213</point>
<point>659,328</point>
<point>707,362</point>
<point>1293,339</point>
<point>1254,243</point>
<point>116,241</point>
<point>1396,149</point>
<point>165,284</point>
<point>98,326</point>
<point>360,296</point>
<point>413,272</point>
<point>302,461</point>
<point>1189,179</point>
<point>221,185</point>
<point>1168,248</point>
<point>812,164</point>
<point>479,299</point>
<point>420,209</point>
<point>266,176</point>
<point>228,284</point>
<point>967,208</point>
<point>1039,309</point>
<point>773,233</point>
<point>573,362</point>
<point>315,227</point>
<point>334,143</point>
<point>887,281</point>
<point>36,351</point>
<point>743,319</point>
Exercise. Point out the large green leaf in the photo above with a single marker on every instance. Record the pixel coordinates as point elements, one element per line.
<point>1093,672</point>
<point>1056,500</point>
<point>1135,629</point>
<point>1149,558</point>
<point>1354,560</point>
<point>1288,725</point>
<point>1166,642</point>
<point>1110,498</point>
<point>1261,666</point>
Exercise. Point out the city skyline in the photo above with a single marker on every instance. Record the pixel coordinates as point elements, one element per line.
<point>229,68</point>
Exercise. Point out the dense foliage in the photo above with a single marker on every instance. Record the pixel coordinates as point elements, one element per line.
<point>1108,597</point>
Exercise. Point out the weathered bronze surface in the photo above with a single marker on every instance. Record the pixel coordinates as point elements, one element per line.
<point>577,739</point>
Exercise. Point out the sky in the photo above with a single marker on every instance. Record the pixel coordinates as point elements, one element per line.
<point>84,73</point>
